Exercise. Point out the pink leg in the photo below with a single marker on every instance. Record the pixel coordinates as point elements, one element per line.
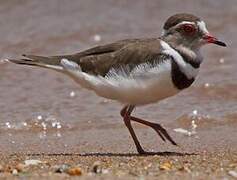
<point>157,127</point>
<point>126,112</point>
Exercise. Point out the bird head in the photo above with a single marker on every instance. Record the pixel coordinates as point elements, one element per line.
<point>189,31</point>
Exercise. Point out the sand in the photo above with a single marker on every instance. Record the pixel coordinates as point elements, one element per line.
<point>125,166</point>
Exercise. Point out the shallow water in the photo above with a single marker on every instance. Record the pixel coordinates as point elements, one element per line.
<point>44,111</point>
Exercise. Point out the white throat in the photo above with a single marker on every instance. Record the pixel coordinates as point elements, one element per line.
<point>185,67</point>
<point>192,54</point>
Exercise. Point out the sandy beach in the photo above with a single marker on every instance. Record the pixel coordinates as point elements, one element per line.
<point>124,166</point>
<point>66,131</point>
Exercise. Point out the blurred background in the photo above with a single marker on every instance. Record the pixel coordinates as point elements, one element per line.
<point>44,111</point>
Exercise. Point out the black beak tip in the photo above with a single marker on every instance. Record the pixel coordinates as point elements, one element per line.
<point>220,43</point>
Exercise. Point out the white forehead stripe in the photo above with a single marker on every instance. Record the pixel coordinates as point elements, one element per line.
<point>202,26</point>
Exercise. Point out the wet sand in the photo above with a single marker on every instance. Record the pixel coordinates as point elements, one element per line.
<point>45,115</point>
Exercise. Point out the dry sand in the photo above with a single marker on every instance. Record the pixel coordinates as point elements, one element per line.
<point>125,166</point>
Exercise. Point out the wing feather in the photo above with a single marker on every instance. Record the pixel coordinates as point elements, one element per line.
<point>101,59</point>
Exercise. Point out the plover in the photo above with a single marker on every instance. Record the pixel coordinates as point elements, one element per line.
<point>137,72</point>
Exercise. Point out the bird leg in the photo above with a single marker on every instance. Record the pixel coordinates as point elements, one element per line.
<point>157,127</point>
<point>125,113</point>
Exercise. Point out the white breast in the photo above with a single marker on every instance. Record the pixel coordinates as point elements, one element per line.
<point>144,85</point>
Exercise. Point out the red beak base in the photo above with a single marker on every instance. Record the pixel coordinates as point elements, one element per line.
<point>211,39</point>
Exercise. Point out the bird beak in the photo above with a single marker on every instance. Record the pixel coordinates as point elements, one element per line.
<point>208,38</point>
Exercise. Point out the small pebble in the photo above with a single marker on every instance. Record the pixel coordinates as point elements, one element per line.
<point>32,162</point>
<point>96,168</point>
<point>233,174</point>
<point>20,167</point>
<point>74,171</point>
<point>182,131</point>
<point>105,171</point>
<point>61,168</point>
<point>166,166</point>
<point>8,169</point>
<point>14,172</point>
<point>233,165</point>
<point>184,168</point>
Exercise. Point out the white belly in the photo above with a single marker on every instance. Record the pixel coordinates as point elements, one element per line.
<point>144,85</point>
<point>149,91</point>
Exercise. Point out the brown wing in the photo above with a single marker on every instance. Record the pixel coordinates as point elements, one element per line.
<point>42,61</point>
<point>127,53</point>
<point>100,59</point>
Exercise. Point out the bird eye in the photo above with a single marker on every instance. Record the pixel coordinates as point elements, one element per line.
<point>188,29</point>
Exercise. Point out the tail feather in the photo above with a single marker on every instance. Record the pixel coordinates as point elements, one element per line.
<point>24,61</point>
<point>45,60</point>
<point>41,61</point>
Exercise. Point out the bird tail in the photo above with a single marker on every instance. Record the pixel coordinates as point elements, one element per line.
<point>52,62</point>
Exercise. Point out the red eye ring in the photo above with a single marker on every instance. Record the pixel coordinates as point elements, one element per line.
<point>188,28</point>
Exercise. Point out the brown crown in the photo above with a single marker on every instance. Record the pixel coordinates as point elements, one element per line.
<point>177,18</point>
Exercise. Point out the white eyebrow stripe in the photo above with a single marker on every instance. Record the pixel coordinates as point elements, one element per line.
<point>202,27</point>
<point>183,22</point>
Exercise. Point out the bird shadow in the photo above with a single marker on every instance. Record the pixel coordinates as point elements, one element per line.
<point>98,154</point>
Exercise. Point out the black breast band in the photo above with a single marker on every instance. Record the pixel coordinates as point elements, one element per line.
<point>179,79</point>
